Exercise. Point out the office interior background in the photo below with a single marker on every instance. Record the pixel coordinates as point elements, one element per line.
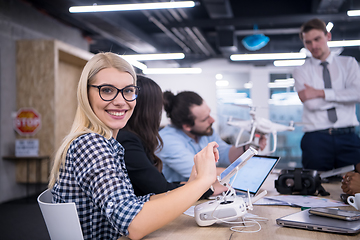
<point>207,34</point>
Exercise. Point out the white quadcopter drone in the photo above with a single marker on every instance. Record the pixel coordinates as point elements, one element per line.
<point>228,206</point>
<point>258,126</point>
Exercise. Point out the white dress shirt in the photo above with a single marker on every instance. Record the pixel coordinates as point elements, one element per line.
<point>344,94</point>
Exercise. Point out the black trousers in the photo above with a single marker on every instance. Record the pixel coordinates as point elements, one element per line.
<point>323,151</point>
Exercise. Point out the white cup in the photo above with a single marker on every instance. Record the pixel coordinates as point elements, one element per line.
<point>354,201</point>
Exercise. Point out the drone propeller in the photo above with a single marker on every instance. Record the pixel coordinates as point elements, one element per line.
<point>231,118</point>
<point>241,105</point>
<point>292,123</point>
<point>251,107</point>
<point>301,123</point>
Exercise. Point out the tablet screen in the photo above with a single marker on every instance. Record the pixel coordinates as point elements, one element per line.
<point>253,174</point>
<point>231,170</point>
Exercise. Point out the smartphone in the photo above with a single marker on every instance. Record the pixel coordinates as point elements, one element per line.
<point>336,213</point>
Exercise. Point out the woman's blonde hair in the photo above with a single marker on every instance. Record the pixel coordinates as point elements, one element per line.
<point>85,119</point>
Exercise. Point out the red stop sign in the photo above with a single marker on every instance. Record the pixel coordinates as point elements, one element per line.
<point>27,121</point>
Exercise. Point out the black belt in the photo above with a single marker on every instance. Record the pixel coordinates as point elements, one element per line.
<point>337,131</point>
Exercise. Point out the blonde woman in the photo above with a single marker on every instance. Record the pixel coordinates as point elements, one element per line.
<point>89,167</point>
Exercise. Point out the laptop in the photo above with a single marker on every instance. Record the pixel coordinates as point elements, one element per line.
<point>253,174</point>
<point>308,221</point>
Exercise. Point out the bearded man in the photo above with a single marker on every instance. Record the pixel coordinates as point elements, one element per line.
<point>190,130</point>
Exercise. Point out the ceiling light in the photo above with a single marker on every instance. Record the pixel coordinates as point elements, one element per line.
<point>288,63</point>
<point>150,57</point>
<point>353,13</point>
<point>248,85</point>
<point>135,63</point>
<point>267,56</point>
<point>219,76</point>
<point>130,7</point>
<point>306,52</point>
<point>282,83</point>
<point>329,26</point>
<point>222,83</point>
<point>344,43</point>
<point>172,71</point>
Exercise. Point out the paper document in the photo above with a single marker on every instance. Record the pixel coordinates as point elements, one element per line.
<point>272,202</point>
<point>337,171</point>
<point>190,212</point>
<point>308,201</point>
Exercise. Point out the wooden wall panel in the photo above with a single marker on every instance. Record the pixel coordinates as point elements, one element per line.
<point>35,87</point>
<point>65,99</point>
<point>47,75</point>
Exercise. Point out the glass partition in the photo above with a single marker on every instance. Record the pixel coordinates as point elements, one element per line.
<point>284,108</point>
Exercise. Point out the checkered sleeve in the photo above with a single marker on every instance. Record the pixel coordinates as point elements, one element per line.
<point>101,174</point>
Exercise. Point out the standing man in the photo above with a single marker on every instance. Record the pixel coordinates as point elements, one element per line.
<point>190,130</point>
<point>329,87</point>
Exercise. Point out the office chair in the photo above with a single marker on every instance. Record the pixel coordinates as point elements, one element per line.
<point>61,219</point>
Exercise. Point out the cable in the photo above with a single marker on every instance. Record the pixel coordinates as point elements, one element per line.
<point>231,235</point>
<point>245,226</point>
<point>242,231</point>
<point>250,220</point>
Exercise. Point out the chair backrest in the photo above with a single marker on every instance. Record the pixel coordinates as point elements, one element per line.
<point>62,220</point>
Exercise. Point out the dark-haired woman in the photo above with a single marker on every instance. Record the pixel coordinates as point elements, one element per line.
<point>141,139</point>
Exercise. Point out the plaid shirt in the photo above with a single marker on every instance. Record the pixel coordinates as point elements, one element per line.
<point>95,178</point>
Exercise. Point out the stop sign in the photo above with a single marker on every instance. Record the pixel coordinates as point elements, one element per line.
<point>27,121</point>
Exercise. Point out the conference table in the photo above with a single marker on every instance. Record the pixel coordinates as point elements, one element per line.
<point>185,227</point>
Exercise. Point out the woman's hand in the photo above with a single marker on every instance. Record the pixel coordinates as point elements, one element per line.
<point>193,174</point>
<point>218,188</point>
<point>205,162</point>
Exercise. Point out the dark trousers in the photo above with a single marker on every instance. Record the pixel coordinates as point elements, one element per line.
<point>322,151</point>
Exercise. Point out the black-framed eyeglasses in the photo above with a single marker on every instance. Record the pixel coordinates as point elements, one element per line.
<point>109,92</point>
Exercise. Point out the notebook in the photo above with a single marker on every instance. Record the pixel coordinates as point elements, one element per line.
<point>309,221</point>
<point>253,174</point>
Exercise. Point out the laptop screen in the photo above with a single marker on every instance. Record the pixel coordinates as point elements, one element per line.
<point>253,174</point>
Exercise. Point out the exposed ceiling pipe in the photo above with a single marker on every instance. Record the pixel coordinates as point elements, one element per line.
<point>226,39</point>
<point>203,40</point>
<point>199,37</point>
<point>188,40</point>
<point>175,15</point>
<point>178,34</point>
<point>162,27</point>
<point>114,37</point>
<point>194,39</point>
<point>170,34</point>
<point>267,31</point>
<point>197,41</point>
<point>262,21</point>
<point>329,6</point>
<point>199,34</point>
<point>107,27</point>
